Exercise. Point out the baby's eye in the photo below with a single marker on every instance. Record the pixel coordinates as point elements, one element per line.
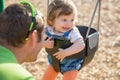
<point>72,20</point>
<point>64,20</point>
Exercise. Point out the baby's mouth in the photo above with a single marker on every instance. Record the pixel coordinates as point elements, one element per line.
<point>66,28</point>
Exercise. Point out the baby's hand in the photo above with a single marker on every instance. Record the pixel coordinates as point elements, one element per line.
<point>60,55</point>
<point>48,43</point>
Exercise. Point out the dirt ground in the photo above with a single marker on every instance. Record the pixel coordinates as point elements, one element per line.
<point>106,62</point>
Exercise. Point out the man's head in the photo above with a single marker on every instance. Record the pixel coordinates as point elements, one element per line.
<point>20,29</point>
<point>15,22</point>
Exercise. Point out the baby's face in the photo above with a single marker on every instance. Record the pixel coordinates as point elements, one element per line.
<point>64,23</point>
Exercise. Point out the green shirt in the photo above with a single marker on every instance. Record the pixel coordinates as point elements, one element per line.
<point>10,69</point>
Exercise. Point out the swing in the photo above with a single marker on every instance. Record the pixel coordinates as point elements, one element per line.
<point>91,39</point>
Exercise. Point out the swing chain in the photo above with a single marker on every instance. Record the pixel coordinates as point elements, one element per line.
<point>98,2</point>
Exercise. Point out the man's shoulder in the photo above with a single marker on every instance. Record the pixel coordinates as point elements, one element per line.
<point>13,71</point>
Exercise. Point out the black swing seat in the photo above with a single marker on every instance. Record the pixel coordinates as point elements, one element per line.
<point>91,46</point>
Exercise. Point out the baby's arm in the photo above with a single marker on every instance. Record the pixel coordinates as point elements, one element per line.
<point>75,48</point>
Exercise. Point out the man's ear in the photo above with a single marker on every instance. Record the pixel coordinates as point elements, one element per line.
<point>32,39</point>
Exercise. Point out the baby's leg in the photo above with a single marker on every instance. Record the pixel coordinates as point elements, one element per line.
<point>70,75</point>
<point>50,74</point>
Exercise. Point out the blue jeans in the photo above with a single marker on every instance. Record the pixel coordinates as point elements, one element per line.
<point>68,64</point>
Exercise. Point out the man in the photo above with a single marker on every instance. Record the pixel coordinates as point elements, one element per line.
<point>21,30</point>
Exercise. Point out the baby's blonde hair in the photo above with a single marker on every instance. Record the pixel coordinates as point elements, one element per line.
<point>58,8</point>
